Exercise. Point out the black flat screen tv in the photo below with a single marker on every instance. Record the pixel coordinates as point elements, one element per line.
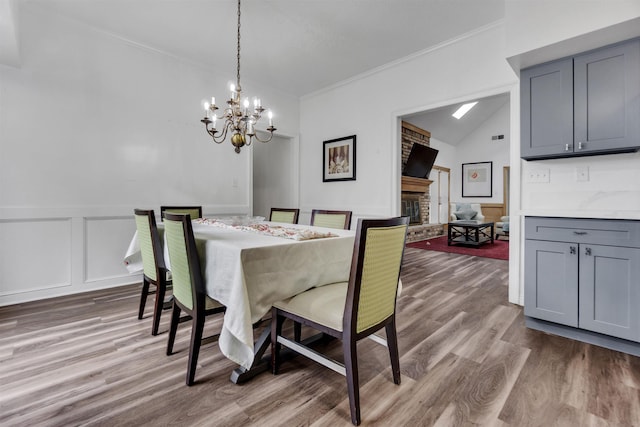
<point>420,161</point>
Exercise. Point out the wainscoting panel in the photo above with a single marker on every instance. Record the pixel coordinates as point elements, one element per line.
<point>492,211</point>
<point>36,255</point>
<point>50,252</point>
<point>104,248</point>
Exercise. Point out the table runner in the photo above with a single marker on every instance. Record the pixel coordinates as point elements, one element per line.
<point>270,229</point>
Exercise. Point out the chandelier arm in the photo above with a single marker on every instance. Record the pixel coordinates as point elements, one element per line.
<point>222,136</point>
<point>264,140</point>
<point>207,123</point>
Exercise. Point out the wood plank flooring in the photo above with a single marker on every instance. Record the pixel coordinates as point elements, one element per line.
<point>466,359</point>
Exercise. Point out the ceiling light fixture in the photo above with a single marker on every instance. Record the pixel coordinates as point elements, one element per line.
<point>238,119</point>
<point>464,110</point>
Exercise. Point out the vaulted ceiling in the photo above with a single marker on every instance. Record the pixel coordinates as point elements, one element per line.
<point>446,128</point>
<point>299,46</point>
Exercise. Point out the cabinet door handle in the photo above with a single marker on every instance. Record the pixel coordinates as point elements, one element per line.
<point>587,251</point>
<point>580,145</point>
<point>566,147</point>
<point>580,233</point>
<point>572,250</point>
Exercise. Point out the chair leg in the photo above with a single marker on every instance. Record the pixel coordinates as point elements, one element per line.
<point>194,349</point>
<point>158,306</point>
<point>175,319</point>
<point>351,365</point>
<point>392,344</point>
<point>276,329</point>
<point>297,331</point>
<point>143,296</point>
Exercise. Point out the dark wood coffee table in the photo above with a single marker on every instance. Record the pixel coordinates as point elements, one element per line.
<point>471,233</point>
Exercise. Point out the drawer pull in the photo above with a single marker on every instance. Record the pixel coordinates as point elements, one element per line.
<point>587,251</point>
<point>580,233</point>
<point>572,250</point>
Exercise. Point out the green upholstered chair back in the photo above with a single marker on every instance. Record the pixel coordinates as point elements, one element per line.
<point>149,241</point>
<point>289,216</point>
<point>193,211</point>
<point>185,265</point>
<point>372,292</point>
<point>331,219</point>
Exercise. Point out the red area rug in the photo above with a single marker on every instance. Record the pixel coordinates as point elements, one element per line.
<point>498,250</point>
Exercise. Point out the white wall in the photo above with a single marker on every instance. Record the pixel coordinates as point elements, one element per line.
<point>446,153</point>
<point>369,106</point>
<point>465,69</point>
<point>92,126</point>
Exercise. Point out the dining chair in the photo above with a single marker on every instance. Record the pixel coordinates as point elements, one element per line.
<point>154,270</point>
<point>189,293</point>
<point>289,216</point>
<point>194,211</point>
<point>351,310</point>
<point>331,219</point>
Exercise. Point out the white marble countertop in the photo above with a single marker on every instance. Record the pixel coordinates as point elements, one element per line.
<point>599,214</point>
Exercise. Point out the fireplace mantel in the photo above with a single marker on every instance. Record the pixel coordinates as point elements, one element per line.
<point>415,185</point>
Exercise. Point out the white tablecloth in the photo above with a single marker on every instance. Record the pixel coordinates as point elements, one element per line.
<point>248,272</point>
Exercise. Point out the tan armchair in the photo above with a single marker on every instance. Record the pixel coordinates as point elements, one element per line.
<point>464,208</point>
<point>502,227</point>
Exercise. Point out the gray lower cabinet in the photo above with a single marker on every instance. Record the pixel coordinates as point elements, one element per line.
<point>584,274</point>
<point>610,291</point>
<point>551,281</point>
<point>583,105</point>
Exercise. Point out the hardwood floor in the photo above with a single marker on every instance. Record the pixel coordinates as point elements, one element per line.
<point>466,359</point>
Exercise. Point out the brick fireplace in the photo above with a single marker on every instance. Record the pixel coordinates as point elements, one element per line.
<point>415,195</point>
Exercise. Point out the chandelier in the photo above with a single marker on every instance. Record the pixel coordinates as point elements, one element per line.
<point>239,119</point>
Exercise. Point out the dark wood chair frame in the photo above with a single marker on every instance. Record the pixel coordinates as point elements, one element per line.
<point>169,208</point>
<point>161,284</point>
<point>199,294</point>
<point>295,211</point>
<point>347,216</point>
<point>349,336</point>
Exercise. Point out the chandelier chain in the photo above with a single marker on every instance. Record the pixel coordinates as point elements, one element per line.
<point>238,69</point>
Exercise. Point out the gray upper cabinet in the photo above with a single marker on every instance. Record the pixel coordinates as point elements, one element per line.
<point>547,110</point>
<point>585,105</point>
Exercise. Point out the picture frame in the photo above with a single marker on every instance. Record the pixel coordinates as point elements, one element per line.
<point>339,159</point>
<point>477,179</point>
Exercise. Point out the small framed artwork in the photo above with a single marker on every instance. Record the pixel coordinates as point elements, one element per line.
<point>339,159</point>
<point>477,179</point>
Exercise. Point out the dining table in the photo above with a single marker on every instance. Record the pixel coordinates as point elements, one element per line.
<point>248,265</point>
